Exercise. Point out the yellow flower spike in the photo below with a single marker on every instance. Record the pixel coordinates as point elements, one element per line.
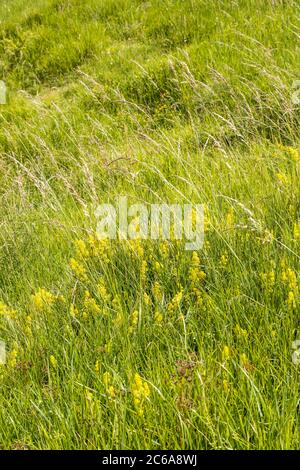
<point>90,304</point>
<point>53,362</point>
<point>144,269</point>
<point>102,291</point>
<point>282,179</point>
<point>157,292</point>
<point>78,269</point>
<point>7,311</point>
<point>81,249</point>
<point>147,299</point>
<point>106,377</point>
<point>296,230</point>
<point>175,302</point>
<point>43,299</point>
<point>73,310</point>
<point>195,259</point>
<point>12,357</point>
<point>158,318</point>
<point>140,392</point>
<point>240,332</point>
<point>268,280</point>
<point>291,301</point>
<point>97,366</point>
<point>223,260</point>
<point>229,218</point>
<point>226,353</point>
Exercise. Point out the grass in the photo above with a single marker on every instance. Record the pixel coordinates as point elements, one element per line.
<point>175,101</point>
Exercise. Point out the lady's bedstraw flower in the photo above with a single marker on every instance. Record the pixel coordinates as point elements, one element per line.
<point>81,248</point>
<point>78,269</point>
<point>140,392</point>
<point>6,311</point>
<point>43,299</point>
<point>175,302</point>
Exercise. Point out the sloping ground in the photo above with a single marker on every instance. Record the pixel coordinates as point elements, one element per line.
<point>147,345</point>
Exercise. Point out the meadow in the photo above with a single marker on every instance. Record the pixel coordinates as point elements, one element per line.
<point>142,344</point>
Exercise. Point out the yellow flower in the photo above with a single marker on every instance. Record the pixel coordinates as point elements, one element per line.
<point>195,259</point>
<point>147,299</point>
<point>12,357</point>
<point>158,318</point>
<point>99,248</point>
<point>175,302</point>
<point>291,301</point>
<point>144,269</point>
<point>43,299</point>
<point>78,269</point>
<point>282,178</point>
<point>90,304</point>
<point>225,353</point>
<point>134,319</point>
<point>157,292</point>
<point>268,280</point>
<point>7,311</point>
<point>196,275</point>
<point>229,218</point>
<point>223,260</point>
<point>240,332</point>
<point>290,278</point>
<point>296,230</point>
<point>140,392</point>
<point>81,249</point>
<point>73,311</point>
<point>102,291</point>
<point>97,366</point>
<point>53,362</point>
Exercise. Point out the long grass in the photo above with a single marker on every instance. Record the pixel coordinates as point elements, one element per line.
<point>144,345</point>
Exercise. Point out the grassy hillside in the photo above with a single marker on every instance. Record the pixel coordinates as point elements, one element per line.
<point>143,344</point>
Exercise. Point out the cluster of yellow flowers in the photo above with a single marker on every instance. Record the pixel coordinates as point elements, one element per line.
<point>90,305</point>
<point>7,311</point>
<point>107,381</point>
<point>78,269</point>
<point>140,392</point>
<point>43,299</point>
<point>268,280</point>
<point>175,302</point>
<point>134,319</point>
<point>291,151</point>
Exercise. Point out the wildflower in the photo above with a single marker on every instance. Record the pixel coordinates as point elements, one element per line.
<point>198,295</point>
<point>78,269</point>
<point>147,299</point>
<point>223,260</point>
<point>296,230</point>
<point>164,248</point>
<point>134,319</point>
<point>268,280</point>
<point>140,392</point>
<point>225,353</point>
<point>229,218</point>
<point>90,304</point>
<point>291,301</point>
<point>157,292</point>
<point>102,291</point>
<point>157,266</point>
<point>290,278</point>
<point>226,385</point>
<point>158,318</point>
<point>144,269</point>
<point>195,259</point>
<point>73,310</point>
<point>7,311</point>
<point>53,362</point>
<point>99,248</point>
<point>12,357</point>
<point>119,320</point>
<point>196,275</point>
<point>43,299</point>
<point>97,366</point>
<point>175,302</point>
<point>81,249</point>
<point>240,332</point>
<point>107,381</point>
<point>282,178</point>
